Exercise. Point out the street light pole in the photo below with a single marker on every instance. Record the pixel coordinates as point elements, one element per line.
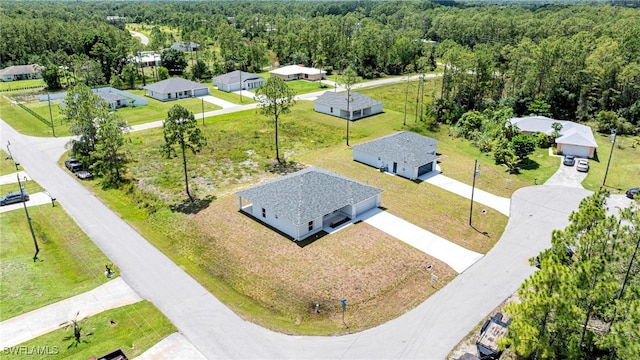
<point>24,203</point>
<point>476,172</point>
<point>53,130</point>
<point>613,144</point>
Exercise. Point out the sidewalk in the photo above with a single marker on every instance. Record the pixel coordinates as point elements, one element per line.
<point>453,255</point>
<point>34,200</point>
<point>215,101</point>
<point>174,346</point>
<point>11,178</point>
<point>21,328</point>
<point>501,204</point>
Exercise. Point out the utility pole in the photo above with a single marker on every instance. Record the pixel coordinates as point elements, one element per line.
<point>406,98</point>
<point>53,130</point>
<point>202,103</point>
<point>613,144</point>
<point>24,203</point>
<point>476,173</point>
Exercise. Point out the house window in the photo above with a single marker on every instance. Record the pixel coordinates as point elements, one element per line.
<point>332,110</point>
<point>264,213</point>
<point>310,225</point>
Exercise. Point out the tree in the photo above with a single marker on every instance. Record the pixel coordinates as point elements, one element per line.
<point>180,128</point>
<point>51,76</point>
<point>348,79</point>
<point>78,336</point>
<point>81,109</point>
<point>200,71</point>
<point>174,61</point>
<point>523,145</point>
<point>163,73</point>
<point>129,75</point>
<point>276,98</point>
<point>556,126</point>
<point>109,157</point>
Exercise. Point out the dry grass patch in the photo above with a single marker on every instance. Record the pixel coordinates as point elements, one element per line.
<point>379,275</point>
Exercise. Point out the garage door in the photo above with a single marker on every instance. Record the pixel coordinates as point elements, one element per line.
<point>579,151</point>
<point>425,168</point>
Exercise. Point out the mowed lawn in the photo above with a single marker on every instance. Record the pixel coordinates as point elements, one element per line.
<point>69,263</point>
<point>623,169</point>
<point>132,328</point>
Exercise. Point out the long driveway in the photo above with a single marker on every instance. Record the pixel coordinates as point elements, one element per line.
<point>427,332</point>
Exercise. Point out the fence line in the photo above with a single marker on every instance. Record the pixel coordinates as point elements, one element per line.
<point>45,121</point>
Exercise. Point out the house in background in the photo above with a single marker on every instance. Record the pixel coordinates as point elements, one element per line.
<point>114,97</point>
<point>297,72</point>
<point>175,88</point>
<point>303,203</point>
<point>404,153</point>
<point>238,80</point>
<point>21,72</point>
<point>333,103</point>
<point>185,46</point>
<point>575,139</point>
<point>148,59</point>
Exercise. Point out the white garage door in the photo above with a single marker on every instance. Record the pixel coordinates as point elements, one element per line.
<point>579,151</point>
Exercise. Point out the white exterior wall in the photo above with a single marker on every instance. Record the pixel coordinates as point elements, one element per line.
<point>7,78</point>
<point>201,92</point>
<point>367,159</point>
<point>303,229</point>
<point>367,205</point>
<point>158,96</point>
<point>376,109</point>
<point>279,223</point>
<point>576,150</point>
<point>253,84</point>
<point>325,109</point>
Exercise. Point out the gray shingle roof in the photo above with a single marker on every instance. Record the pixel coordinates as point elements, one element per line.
<point>571,133</point>
<point>308,194</point>
<point>234,77</point>
<point>403,146</point>
<point>109,96</point>
<point>339,100</point>
<point>21,69</point>
<point>174,84</point>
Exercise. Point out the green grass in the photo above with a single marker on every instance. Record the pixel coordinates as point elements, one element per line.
<point>26,123</point>
<point>69,263</point>
<point>230,97</point>
<point>304,86</point>
<point>132,328</point>
<point>31,187</point>
<point>623,169</point>
<point>7,166</point>
<point>21,84</point>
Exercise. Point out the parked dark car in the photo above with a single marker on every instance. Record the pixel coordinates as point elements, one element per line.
<point>631,193</point>
<point>73,165</point>
<point>84,174</point>
<point>13,198</point>
<point>569,160</point>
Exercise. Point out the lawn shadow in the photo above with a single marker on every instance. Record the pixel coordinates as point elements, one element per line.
<point>529,164</point>
<point>192,207</point>
<point>302,243</point>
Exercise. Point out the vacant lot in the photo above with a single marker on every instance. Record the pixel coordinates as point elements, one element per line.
<point>624,167</point>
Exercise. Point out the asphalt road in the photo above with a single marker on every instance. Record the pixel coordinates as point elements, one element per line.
<point>427,332</point>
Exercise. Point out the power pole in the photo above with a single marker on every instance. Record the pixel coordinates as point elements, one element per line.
<point>613,144</point>
<point>476,172</point>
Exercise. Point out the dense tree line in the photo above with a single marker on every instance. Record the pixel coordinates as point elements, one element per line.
<point>578,59</point>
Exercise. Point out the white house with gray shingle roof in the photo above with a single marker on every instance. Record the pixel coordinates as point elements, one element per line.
<point>175,88</point>
<point>404,153</point>
<point>21,72</point>
<point>238,80</point>
<point>303,203</point>
<point>333,103</point>
<point>575,139</point>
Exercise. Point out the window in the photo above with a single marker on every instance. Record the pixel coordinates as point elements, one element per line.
<point>331,109</point>
<point>264,213</point>
<point>310,225</point>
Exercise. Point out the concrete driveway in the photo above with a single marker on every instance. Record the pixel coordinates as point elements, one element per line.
<point>567,175</point>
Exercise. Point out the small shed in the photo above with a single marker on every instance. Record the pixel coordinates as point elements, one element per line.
<point>404,153</point>
<point>350,106</point>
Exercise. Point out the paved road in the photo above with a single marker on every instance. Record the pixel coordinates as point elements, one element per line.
<point>143,38</point>
<point>427,332</point>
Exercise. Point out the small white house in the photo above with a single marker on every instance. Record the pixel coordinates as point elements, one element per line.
<point>358,106</point>
<point>175,88</point>
<point>21,72</point>
<point>575,139</point>
<point>238,80</point>
<point>404,153</point>
<point>303,203</point>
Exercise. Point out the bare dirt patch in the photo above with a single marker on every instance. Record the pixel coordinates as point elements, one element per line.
<point>379,275</point>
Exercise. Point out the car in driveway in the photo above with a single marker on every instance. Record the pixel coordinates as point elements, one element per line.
<point>73,165</point>
<point>569,160</point>
<point>583,165</point>
<point>14,197</point>
<point>633,192</point>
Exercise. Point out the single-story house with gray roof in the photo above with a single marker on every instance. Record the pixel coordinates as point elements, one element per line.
<point>175,88</point>
<point>404,153</point>
<point>575,139</point>
<point>303,203</point>
<point>21,72</point>
<point>238,80</point>
<point>359,106</point>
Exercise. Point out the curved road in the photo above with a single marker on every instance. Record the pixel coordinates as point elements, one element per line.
<point>429,331</point>
<point>143,38</point>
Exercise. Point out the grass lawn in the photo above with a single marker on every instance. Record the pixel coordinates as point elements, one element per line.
<point>304,86</point>
<point>28,124</point>
<point>230,97</point>
<point>132,328</point>
<point>69,263</point>
<point>31,187</point>
<point>157,110</point>
<point>21,84</point>
<point>7,166</point>
<point>623,169</point>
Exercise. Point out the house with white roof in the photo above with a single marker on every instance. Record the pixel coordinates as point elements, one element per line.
<point>21,72</point>
<point>238,80</point>
<point>305,202</point>
<point>355,107</point>
<point>575,139</point>
<point>297,72</point>
<point>175,88</point>
<point>404,153</point>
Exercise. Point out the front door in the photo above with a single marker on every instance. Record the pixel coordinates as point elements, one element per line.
<point>395,167</point>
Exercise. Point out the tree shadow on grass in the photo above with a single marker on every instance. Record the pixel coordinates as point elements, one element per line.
<point>192,207</point>
<point>528,164</point>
